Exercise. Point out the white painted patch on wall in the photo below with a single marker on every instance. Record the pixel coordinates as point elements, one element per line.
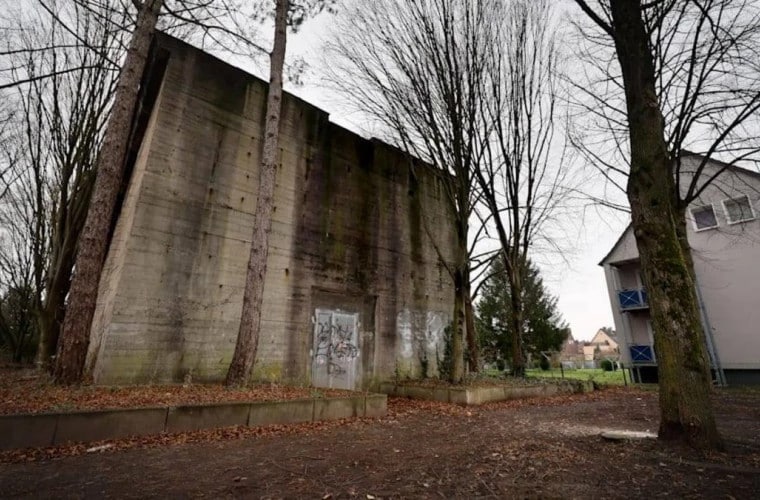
<point>421,336</point>
<point>404,331</point>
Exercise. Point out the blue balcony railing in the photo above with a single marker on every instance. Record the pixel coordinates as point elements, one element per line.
<point>642,354</point>
<point>632,299</point>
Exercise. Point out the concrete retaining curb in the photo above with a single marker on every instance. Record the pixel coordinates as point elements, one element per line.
<point>49,429</point>
<point>480,395</point>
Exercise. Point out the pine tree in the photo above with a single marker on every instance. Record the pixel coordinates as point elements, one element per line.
<point>543,326</point>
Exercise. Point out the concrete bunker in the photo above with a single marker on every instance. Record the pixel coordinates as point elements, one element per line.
<point>355,293</point>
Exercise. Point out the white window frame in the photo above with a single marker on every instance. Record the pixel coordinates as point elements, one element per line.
<point>753,216</point>
<point>694,219</point>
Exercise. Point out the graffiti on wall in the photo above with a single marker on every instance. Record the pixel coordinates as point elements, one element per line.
<point>334,343</point>
<point>421,335</point>
<point>336,349</point>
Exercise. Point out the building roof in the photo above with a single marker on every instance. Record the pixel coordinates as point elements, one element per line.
<point>603,338</point>
<point>727,166</point>
<point>617,243</point>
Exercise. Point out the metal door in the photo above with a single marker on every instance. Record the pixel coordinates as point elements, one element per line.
<point>335,356</point>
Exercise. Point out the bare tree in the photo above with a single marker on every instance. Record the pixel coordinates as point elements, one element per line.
<point>203,16</point>
<point>61,84</point>
<point>67,111</point>
<point>17,293</point>
<point>469,87</point>
<point>415,68</point>
<point>253,295</point>
<point>522,179</point>
<point>21,239</point>
<point>228,25</point>
<point>705,57</point>
<point>93,241</point>
<point>286,14</point>
<point>688,72</point>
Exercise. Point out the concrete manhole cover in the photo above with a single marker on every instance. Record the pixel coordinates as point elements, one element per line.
<point>625,435</point>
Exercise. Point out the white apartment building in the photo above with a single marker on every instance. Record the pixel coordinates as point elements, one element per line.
<point>724,234</point>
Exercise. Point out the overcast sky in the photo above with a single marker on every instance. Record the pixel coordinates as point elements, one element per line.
<point>578,281</point>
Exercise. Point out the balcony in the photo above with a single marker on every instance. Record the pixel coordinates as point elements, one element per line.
<point>632,299</point>
<point>642,354</point>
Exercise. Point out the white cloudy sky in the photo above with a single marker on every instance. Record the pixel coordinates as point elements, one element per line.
<point>577,280</point>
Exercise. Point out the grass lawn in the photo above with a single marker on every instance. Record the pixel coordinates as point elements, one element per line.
<point>597,375</point>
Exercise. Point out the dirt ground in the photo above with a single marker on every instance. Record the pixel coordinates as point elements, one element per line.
<point>541,448</point>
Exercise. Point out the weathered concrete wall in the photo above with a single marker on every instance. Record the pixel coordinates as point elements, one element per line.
<point>348,236</point>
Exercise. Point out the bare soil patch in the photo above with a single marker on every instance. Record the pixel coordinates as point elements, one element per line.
<point>539,448</point>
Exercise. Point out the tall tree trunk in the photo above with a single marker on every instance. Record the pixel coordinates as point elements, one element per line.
<point>75,336</point>
<point>57,284</point>
<point>49,331</point>
<point>685,408</point>
<point>683,236</point>
<point>461,296</point>
<point>458,327</point>
<point>52,315</point>
<point>47,342</point>
<point>250,319</point>
<point>516,317</point>
<point>473,346</point>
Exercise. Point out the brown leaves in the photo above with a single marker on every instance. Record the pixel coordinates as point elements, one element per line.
<point>26,391</point>
<point>422,449</point>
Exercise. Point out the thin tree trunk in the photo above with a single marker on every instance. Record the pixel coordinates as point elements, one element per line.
<point>52,315</point>
<point>47,341</point>
<point>45,344</point>
<point>513,266</point>
<point>516,317</point>
<point>461,292</point>
<point>58,282</point>
<point>250,321</point>
<point>461,296</point>
<point>473,346</point>
<point>458,329</point>
<point>685,408</point>
<point>75,336</point>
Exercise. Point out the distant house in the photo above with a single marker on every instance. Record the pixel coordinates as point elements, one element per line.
<point>723,230</point>
<point>571,354</point>
<point>587,353</point>
<point>603,345</point>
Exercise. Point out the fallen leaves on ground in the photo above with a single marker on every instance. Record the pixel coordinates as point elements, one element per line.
<point>398,409</point>
<point>421,449</point>
<point>28,391</point>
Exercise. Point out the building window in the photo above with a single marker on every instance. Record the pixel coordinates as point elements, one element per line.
<point>704,217</point>
<point>738,210</point>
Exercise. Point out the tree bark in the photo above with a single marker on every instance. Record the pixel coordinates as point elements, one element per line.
<point>50,319</point>
<point>250,320</point>
<point>458,328</point>
<point>685,383</point>
<point>473,346</point>
<point>75,336</point>
<point>58,282</point>
<point>516,297</point>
